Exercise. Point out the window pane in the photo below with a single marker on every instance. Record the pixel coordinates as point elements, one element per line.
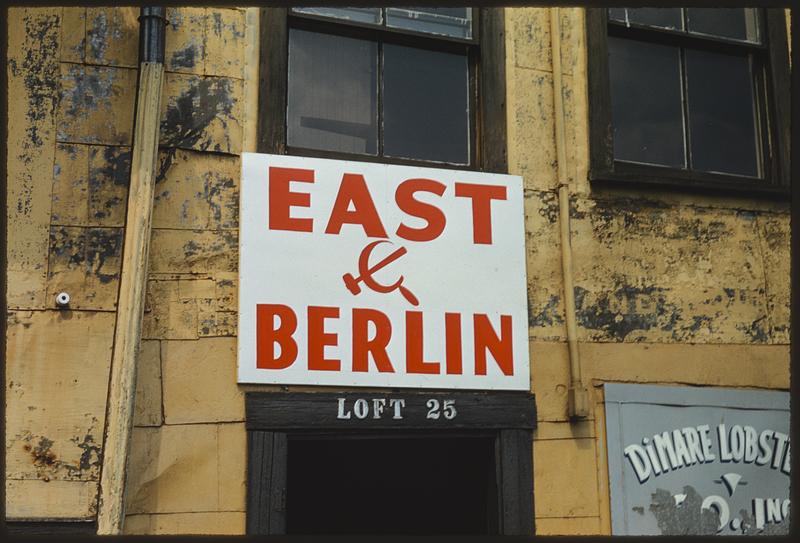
<point>660,17</point>
<point>332,94</point>
<point>617,14</point>
<point>646,102</point>
<point>447,21</point>
<point>739,24</point>
<point>721,113</point>
<point>425,101</point>
<point>361,15</point>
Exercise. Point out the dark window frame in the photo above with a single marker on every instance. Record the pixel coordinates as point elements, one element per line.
<point>772,95</point>
<point>272,419</point>
<point>486,61</point>
<point>62,528</point>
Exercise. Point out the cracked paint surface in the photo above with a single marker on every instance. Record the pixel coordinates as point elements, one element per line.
<point>651,271</point>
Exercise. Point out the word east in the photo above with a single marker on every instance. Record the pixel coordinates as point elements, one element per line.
<point>276,325</point>
<point>354,205</point>
<point>682,447</point>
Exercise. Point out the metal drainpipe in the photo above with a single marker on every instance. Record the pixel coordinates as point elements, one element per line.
<point>578,395</point>
<point>133,275</point>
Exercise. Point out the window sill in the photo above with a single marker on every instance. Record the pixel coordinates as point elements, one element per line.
<point>630,175</point>
<point>340,155</point>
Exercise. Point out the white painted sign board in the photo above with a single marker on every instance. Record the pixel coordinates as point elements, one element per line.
<point>362,274</point>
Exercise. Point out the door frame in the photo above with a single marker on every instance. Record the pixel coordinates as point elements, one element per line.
<point>273,417</point>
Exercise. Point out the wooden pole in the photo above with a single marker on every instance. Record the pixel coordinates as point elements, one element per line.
<point>133,281</point>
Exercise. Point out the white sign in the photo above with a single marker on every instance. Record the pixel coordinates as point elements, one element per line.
<point>359,274</point>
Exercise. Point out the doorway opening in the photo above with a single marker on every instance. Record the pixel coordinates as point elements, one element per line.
<point>312,471</point>
<point>391,484</point>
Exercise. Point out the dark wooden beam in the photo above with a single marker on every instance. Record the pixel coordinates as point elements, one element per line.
<point>417,411</point>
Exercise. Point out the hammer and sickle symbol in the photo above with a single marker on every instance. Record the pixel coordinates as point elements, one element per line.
<point>366,273</point>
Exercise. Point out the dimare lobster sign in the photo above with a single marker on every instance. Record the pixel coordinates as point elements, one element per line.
<point>692,461</point>
<point>365,274</point>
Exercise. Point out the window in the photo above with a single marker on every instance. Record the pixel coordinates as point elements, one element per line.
<point>691,97</point>
<point>401,85</point>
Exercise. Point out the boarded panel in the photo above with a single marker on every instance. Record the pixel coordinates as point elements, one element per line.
<point>74,500</point>
<point>85,262</point>
<point>32,70</point>
<point>56,382</point>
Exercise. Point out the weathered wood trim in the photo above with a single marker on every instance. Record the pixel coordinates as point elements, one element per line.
<point>272,76</point>
<point>266,482</point>
<point>130,307</point>
<point>600,130</point>
<point>252,60</point>
<point>514,457</point>
<point>492,133</point>
<point>308,411</point>
<point>54,527</point>
<point>780,86</point>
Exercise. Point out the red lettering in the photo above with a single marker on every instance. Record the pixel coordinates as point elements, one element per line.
<point>431,214</point>
<point>452,335</point>
<point>482,196</point>
<point>486,338</point>
<point>267,336</point>
<point>363,346</point>
<point>318,339</point>
<point>281,199</point>
<point>354,190</point>
<point>414,356</point>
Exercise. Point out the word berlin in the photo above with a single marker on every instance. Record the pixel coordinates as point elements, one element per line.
<point>688,446</point>
<point>366,333</point>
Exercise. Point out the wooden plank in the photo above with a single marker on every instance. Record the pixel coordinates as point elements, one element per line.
<point>252,59</point>
<point>60,528</point>
<point>395,410</point>
<point>259,460</point>
<point>278,471</point>
<point>46,500</point>
<point>266,494</point>
<point>514,456</point>
<point>133,279</point>
<point>57,365</point>
<point>272,81</point>
<point>493,133</point>
<point>32,71</point>
<point>600,131</point>
<point>780,85</point>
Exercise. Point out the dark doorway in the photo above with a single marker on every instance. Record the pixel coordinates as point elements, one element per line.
<point>400,484</point>
<point>312,470</point>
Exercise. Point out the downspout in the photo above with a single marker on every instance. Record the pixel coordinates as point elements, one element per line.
<point>133,276</point>
<point>578,395</point>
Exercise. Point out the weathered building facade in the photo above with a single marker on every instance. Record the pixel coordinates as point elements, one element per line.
<point>672,286</point>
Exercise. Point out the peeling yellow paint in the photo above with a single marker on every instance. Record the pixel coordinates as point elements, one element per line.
<point>96,104</point>
<point>671,287</point>
<point>112,36</point>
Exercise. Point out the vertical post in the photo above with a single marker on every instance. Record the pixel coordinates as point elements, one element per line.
<point>133,276</point>
<point>266,482</point>
<point>514,461</point>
